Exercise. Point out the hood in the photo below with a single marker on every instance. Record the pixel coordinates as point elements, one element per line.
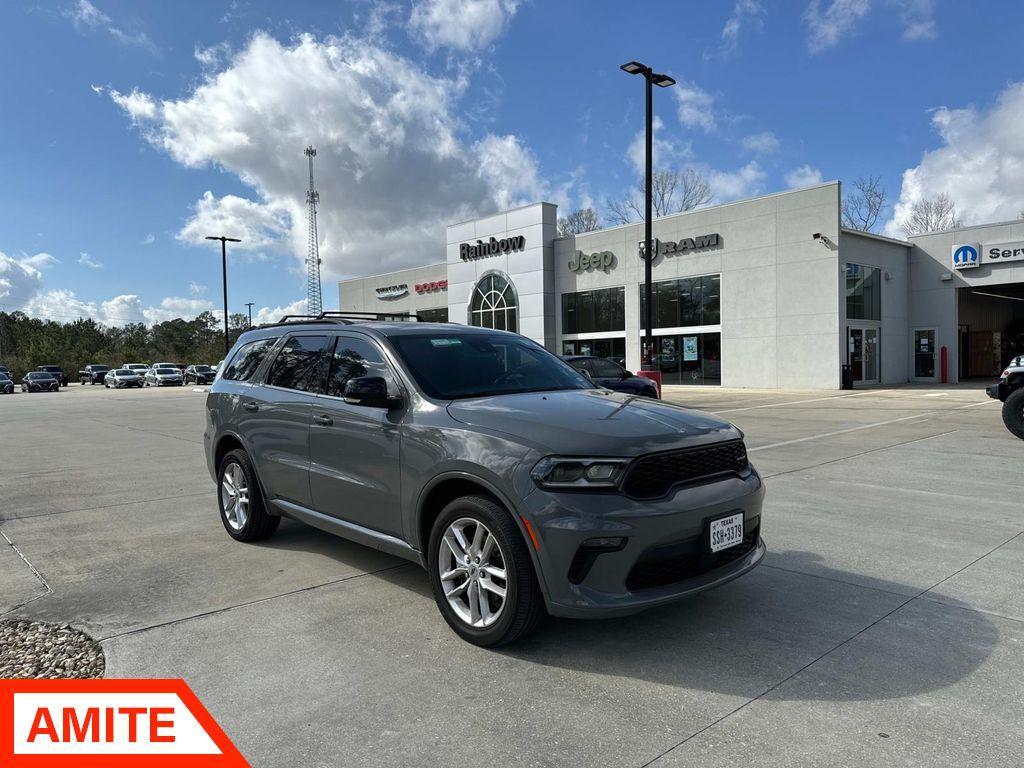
<point>592,422</point>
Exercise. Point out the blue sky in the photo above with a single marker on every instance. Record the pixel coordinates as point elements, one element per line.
<point>131,129</point>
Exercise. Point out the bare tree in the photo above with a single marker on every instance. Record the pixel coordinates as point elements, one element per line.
<point>931,214</point>
<point>862,207</point>
<point>671,192</point>
<point>582,220</point>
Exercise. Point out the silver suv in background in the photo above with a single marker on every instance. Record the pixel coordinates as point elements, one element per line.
<point>520,486</point>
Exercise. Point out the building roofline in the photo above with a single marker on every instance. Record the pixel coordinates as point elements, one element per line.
<point>499,213</point>
<point>394,272</point>
<point>969,226</point>
<point>873,236</point>
<point>833,182</point>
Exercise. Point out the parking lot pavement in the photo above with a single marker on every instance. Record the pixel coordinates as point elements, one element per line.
<point>886,626</point>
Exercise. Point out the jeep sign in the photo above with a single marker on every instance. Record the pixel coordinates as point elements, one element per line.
<point>585,262</point>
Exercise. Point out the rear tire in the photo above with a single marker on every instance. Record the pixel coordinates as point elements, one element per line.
<point>522,608</point>
<point>1013,412</point>
<point>248,519</point>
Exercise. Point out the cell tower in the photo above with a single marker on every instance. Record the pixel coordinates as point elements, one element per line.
<point>313,298</point>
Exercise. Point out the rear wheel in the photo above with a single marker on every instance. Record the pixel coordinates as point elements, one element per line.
<point>241,504</point>
<point>481,573</point>
<point>1013,412</point>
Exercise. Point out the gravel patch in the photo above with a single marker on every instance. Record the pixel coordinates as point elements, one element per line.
<point>41,649</point>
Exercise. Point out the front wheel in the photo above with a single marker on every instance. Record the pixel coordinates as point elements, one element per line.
<point>1013,412</point>
<point>241,504</point>
<point>481,573</point>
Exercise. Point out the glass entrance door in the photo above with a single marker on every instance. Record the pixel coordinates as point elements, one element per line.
<point>862,350</point>
<point>924,353</point>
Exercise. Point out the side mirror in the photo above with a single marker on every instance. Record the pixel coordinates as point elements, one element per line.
<point>371,392</point>
<point>628,375</point>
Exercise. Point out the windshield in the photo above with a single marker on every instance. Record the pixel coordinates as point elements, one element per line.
<point>449,366</point>
<point>124,372</point>
<point>167,370</point>
<point>40,376</point>
<point>204,369</point>
<point>49,368</point>
<point>3,376</point>
<point>100,368</point>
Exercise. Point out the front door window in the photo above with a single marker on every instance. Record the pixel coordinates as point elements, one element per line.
<point>924,353</point>
<point>862,346</point>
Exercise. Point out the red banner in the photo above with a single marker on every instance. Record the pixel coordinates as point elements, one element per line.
<point>109,724</point>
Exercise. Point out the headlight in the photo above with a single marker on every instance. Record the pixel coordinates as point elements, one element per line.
<point>561,473</point>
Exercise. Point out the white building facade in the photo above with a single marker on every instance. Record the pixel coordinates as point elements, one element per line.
<point>769,292</point>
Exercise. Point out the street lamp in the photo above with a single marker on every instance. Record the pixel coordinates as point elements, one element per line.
<point>651,78</point>
<point>224,267</point>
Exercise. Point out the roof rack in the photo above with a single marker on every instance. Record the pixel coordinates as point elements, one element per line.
<point>347,318</point>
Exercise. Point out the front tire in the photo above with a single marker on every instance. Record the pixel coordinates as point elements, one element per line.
<point>1013,412</point>
<point>481,573</point>
<point>242,510</point>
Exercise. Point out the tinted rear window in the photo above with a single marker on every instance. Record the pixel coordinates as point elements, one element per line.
<point>247,359</point>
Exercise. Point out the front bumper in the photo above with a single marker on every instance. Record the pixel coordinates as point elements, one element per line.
<point>666,555</point>
<point>168,382</point>
<point>998,391</point>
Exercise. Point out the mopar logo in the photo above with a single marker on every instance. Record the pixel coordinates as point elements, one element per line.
<point>965,256</point>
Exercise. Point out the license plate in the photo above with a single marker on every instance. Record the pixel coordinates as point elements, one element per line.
<point>726,532</point>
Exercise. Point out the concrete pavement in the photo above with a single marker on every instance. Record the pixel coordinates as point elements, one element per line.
<point>885,628</point>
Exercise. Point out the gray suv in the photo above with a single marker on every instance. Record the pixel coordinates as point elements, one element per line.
<point>522,488</point>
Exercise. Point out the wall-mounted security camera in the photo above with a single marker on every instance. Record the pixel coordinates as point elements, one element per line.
<point>823,239</point>
<point>817,235</point>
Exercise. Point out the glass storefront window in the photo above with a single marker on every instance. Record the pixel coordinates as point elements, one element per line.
<point>493,304</point>
<point>685,302</point>
<point>596,311</point>
<point>434,315</point>
<point>613,349</point>
<point>863,292</point>
<point>694,358</point>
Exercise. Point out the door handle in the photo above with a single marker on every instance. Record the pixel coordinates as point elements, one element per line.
<point>323,419</point>
<point>250,406</point>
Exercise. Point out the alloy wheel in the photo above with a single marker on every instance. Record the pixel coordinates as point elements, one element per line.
<point>472,570</point>
<point>235,496</point>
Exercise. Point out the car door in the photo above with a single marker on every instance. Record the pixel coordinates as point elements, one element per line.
<point>355,449</point>
<point>274,422</point>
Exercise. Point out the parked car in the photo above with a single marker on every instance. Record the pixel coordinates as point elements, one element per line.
<point>141,368</point>
<point>5,370</point>
<point>1010,390</point>
<point>122,378</point>
<point>6,385</point>
<point>39,381</point>
<point>93,374</point>
<point>163,376</point>
<point>56,372</point>
<point>200,374</point>
<point>517,484</point>
<point>606,373</point>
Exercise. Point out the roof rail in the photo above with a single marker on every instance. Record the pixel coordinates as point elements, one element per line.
<point>347,318</point>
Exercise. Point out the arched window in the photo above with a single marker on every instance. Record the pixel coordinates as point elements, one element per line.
<point>493,304</point>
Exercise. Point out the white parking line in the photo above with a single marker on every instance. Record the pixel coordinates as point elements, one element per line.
<point>800,402</point>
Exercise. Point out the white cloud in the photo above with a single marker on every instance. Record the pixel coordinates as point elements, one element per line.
<point>980,163</point>
<point>212,56</point>
<point>746,14</point>
<point>918,18</point>
<point>148,239</point>
<point>733,185</point>
<point>87,261</point>
<point>272,315</point>
<point>763,143</point>
<point>694,106</point>
<point>257,225</point>
<point>666,152</point>
<point>464,25</point>
<point>804,176</point>
<point>86,16</point>
<point>392,167</point>
<point>826,28</point>
<point>196,289</point>
<point>19,282</point>
<point>39,260</point>
<point>176,306</point>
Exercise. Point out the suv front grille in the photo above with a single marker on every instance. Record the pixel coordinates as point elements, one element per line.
<point>653,476</point>
<point>673,563</point>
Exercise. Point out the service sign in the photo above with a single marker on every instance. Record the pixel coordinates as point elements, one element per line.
<point>998,253</point>
<point>109,724</point>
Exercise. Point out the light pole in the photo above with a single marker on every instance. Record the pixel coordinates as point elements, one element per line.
<point>249,305</point>
<point>651,78</point>
<point>224,267</point>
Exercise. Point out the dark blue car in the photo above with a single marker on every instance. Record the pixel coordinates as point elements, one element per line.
<point>609,374</point>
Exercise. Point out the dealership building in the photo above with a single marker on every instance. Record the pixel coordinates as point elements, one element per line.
<point>768,292</point>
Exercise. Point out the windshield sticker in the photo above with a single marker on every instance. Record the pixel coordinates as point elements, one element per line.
<point>445,342</point>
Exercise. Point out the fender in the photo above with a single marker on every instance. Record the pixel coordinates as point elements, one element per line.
<point>502,497</point>
<point>245,447</point>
